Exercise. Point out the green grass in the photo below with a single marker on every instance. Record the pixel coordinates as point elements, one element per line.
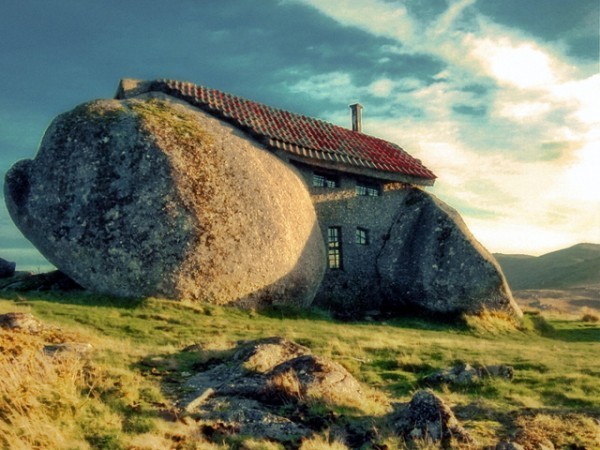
<point>139,343</point>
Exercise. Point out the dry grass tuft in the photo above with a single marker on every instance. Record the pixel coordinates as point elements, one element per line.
<point>491,322</point>
<point>590,316</point>
<point>257,444</point>
<point>322,442</point>
<point>563,431</point>
<point>41,394</point>
<point>287,386</point>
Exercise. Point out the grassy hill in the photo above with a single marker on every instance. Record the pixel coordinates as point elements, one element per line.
<point>574,266</point>
<point>123,395</point>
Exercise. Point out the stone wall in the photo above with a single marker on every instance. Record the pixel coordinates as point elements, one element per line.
<point>355,288</point>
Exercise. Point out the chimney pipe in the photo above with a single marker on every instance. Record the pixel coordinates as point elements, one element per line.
<point>356,117</point>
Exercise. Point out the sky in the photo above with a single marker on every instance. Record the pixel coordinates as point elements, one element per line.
<point>501,99</point>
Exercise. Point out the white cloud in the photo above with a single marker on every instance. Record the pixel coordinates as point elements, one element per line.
<point>331,86</point>
<point>531,163</point>
<point>382,87</point>
<point>522,65</point>
<point>585,93</point>
<point>523,111</point>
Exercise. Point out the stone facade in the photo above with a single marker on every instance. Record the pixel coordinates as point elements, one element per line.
<point>354,287</point>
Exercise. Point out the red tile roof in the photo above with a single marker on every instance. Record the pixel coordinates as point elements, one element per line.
<point>301,135</point>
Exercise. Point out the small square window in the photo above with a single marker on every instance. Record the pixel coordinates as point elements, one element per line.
<point>362,236</point>
<point>326,181</point>
<point>367,189</point>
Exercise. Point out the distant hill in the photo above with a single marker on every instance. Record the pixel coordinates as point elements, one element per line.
<point>574,266</point>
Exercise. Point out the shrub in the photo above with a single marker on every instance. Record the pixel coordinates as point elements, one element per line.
<point>590,317</point>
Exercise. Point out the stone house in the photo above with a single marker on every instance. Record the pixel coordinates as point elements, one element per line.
<point>356,181</point>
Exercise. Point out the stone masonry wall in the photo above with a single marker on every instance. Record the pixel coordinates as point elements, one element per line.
<point>354,289</point>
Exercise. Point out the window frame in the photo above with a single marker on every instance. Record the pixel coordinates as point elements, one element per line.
<point>329,181</point>
<point>367,189</point>
<point>361,236</point>
<point>334,248</point>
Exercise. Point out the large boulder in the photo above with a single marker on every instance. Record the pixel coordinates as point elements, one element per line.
<point>430,261</point>
<point>152,197</point>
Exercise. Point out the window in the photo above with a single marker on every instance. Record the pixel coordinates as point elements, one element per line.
<point>322,180</point>
<point>334,247</point>
<point>362,236</point>
<point>367,189</point>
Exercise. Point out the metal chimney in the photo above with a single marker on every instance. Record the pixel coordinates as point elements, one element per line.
<point>356,117</point>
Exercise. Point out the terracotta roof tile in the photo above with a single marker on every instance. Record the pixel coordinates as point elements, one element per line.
<point>299,134</point>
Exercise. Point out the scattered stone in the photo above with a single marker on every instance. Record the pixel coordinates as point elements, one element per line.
<point>7,268</point>
<point>427,417</point>
<point>78,348</point>
<point>465,374</point>
<point>25,322</point>
<point>153,197</point>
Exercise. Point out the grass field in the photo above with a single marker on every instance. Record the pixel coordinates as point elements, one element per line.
<point>122,395</point>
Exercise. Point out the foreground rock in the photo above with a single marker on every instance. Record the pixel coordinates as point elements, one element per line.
<point>245,393</point>
<point>151,197</point>
<point>275,370</point>
<point>428,418</point>
<point>24,322</point>
<point>7,268</point>
<point>432,262</point>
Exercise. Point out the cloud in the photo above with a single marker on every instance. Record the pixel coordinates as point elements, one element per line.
<point>508,123</point>
<point>522,65</point>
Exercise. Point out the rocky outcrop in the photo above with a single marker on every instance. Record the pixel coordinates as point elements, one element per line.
<point>245,393</point>
<point>431,262</point>
<point>152,197</point>
<point>275,370</point>
<point>7,268</point>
